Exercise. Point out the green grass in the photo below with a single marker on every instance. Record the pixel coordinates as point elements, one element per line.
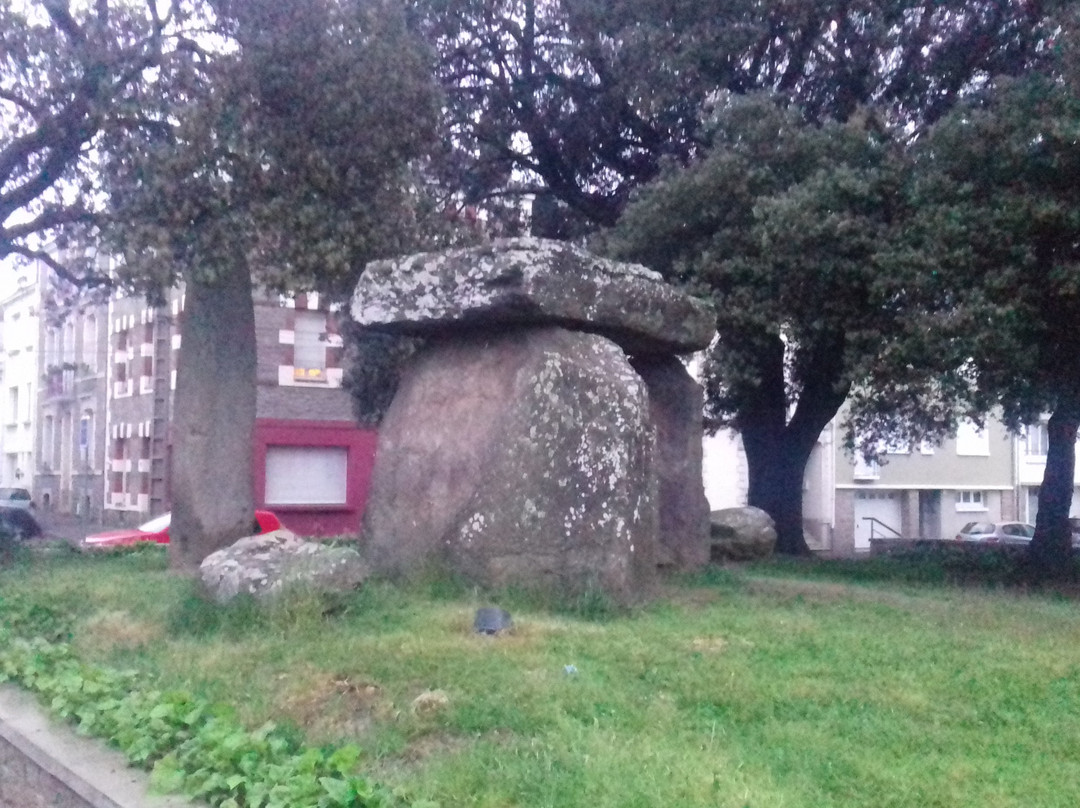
<point>774,685</point>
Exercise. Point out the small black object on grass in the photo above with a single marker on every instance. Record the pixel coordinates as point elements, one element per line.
<point>491,620</point>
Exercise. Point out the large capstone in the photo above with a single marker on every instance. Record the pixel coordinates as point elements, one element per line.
<point>528,281</point>
<point>519,458</point>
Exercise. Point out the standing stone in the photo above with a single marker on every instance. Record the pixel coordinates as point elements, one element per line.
<point>524,457</point>
<point>676,402</point>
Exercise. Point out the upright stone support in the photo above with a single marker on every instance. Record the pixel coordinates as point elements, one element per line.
<point>676,402</point>
<point>524,458</point>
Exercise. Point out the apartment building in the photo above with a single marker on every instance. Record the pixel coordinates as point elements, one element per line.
<point>311,463</point>
<point>86,406</point>
<point>70,436</point>
<point>19,372</point>
<point>927,491</point>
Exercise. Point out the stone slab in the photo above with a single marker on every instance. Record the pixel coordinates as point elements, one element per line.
<point>531,282</point>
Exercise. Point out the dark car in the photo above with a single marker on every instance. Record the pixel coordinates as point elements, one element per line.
<point>19,524</point>
<point>1074,528</point>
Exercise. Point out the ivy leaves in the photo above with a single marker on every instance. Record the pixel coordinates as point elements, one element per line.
<point>188,744</point>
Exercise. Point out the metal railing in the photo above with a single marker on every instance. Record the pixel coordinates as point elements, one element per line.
<point>876,523</point>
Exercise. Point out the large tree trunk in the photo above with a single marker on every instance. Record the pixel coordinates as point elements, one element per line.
<point>777,450</point>
<point>213,498</point>
<point>775,471</point>
<point>1051,549</point>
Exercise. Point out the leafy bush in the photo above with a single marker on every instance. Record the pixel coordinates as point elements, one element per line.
<point>32,619</point>
<point>188,744</point>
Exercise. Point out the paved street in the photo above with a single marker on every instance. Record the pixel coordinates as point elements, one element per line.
<point>65,526</point>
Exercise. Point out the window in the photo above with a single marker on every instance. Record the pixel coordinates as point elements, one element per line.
<point>48,442</point>
<point>89,343</point>
<point>970,501</point>
<point>866,469</point>
<point>52,346</point>
<point>309,346</point>
<point>1036,440</point>
<point>307,475</point>
<point>13,403</point>
<point>69,341</point>
<point>972,441</point>
<point>86,438</point>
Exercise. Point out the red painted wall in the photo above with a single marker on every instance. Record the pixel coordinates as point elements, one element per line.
<point>318,520</point>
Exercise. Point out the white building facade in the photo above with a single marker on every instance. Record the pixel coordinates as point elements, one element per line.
<point>20,341</point>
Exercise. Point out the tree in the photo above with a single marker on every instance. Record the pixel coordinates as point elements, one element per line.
<point>788,227</point>
<point>577,102</point>
<point>1003,214</point>
<point>285,159</point>
<point>68,78</point>
<point>580,102</point>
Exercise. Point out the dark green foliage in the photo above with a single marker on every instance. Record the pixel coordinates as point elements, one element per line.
<point>288,150</point>
<point>188,744</point>
<point>374,370</point>
<point>936,563</point>
<point>999,208</point>
<point>789,227</point>
<point>198,616</point>
<point>29,618</point>
<point>580,101</point>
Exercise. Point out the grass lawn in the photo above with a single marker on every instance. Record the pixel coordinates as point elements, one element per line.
<point>787,685</point>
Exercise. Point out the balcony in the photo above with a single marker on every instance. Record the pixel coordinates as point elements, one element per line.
<point>59,383</point>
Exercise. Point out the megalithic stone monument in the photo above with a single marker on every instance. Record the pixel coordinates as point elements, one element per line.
<point>546,435</point>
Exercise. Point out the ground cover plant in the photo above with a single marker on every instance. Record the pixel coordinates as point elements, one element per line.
<point>773,685</point>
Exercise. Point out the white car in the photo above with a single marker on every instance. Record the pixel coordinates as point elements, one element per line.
<point>16,498</point>
<point>996,532</point>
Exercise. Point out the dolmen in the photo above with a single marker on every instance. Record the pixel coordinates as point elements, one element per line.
<point>546,435</point>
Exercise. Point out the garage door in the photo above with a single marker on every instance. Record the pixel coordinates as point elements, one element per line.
<point>874,510</point>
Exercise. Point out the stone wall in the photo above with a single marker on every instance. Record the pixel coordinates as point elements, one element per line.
<point>27,780</point>
<point>44,764</point>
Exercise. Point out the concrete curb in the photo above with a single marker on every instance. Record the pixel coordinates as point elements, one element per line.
<point>83,772</point>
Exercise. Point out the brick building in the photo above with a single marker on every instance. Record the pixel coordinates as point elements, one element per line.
<point>311,463</point>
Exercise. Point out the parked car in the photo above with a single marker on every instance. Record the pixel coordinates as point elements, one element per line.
<point>996,532</point>
<point>16,498</point>
<point>1074,527</point>
<point>157,530</point>
<point>20,524</point>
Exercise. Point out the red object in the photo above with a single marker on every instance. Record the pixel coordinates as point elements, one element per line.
<point>317,520</point>
<point>157,530</point>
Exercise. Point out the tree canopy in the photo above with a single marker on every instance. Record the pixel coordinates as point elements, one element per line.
<point>70,76</point>
<point>576,102</point>
<point>795,213</point>
<point>788,227</point>
<point>1000,187</point>
<point>284,164</point>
